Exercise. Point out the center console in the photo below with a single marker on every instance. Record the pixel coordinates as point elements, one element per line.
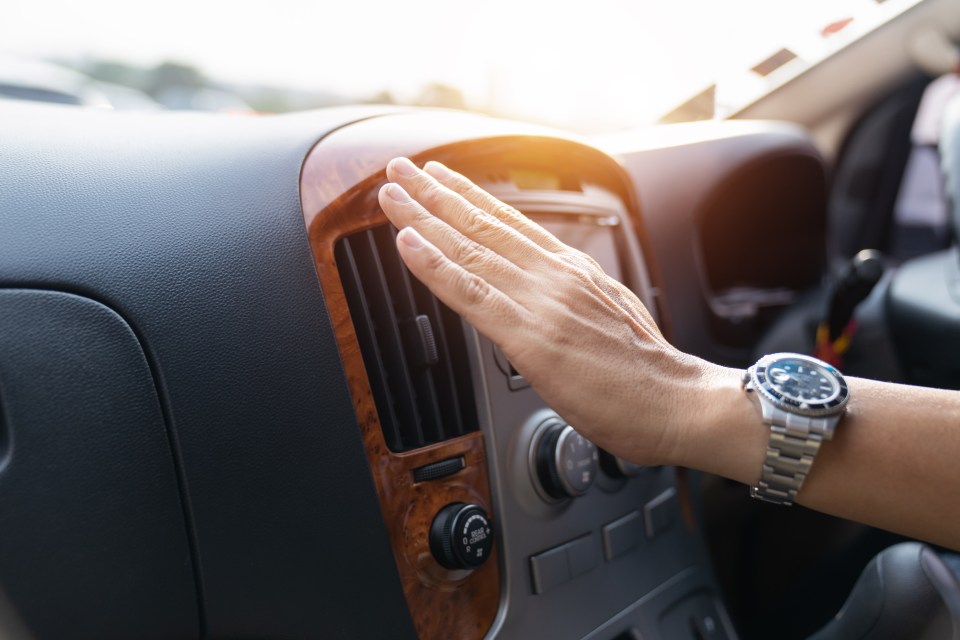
<point>504,520</point>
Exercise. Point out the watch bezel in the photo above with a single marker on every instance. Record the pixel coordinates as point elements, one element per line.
<point>763,386</point>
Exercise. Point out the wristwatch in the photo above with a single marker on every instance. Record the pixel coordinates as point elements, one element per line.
<point>802,399</point>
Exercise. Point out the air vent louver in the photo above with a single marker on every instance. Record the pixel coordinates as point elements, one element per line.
<point>413,345</point>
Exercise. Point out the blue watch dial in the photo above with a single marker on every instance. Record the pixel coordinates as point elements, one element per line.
<point>802,382</point>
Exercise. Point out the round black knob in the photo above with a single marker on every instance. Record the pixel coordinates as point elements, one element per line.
<point>566,462</point>
<point>461,536</point>
<point>617,467</point>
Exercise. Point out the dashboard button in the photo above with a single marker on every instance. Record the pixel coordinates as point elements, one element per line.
<point>548,569</point>
<point>622,535</point>
<point>560,564</point>
<point>437,470</point>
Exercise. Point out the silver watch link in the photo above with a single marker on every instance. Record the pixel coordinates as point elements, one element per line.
<point>802,400</point>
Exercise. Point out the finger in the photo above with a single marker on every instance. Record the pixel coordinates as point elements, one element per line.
<point>511,216</point>
<point>404,211</point>
<point>471,221</point>
<point>484,306</point>
<point>481,199</point>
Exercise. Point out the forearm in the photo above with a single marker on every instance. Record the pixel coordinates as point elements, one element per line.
<point>892,463</point>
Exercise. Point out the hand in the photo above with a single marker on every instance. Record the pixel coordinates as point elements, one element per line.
<point>585,342</point>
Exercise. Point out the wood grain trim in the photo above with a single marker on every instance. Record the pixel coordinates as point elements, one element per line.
<point>343,180</point>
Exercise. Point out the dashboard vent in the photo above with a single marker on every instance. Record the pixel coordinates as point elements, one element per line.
<point>413,346</point>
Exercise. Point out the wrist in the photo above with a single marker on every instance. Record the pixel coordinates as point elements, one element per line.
<point>725,434</point>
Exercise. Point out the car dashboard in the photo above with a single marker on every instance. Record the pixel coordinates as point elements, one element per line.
<point>229,411</point>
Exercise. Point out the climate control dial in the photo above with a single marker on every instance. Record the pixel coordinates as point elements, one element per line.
<point>461,536</point>
<point>566,462</point>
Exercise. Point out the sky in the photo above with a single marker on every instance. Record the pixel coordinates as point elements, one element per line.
<point>590,64</point>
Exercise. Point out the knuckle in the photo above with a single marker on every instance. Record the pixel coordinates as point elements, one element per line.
<point>474,224</point>
<point>487,228</point>
<point>506,212</point>
<point>421,215</point>
<point>583,267</point>
<point>462,213</point>
<point>431,194</point>
<point>475,290</point>
<point>573,266</point>
<point>469,254</point>
<point>435,262</point>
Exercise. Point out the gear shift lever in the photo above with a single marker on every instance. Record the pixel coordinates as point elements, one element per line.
<point>852,287</point>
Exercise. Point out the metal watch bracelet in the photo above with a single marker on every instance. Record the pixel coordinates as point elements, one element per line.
<point>793,446</point>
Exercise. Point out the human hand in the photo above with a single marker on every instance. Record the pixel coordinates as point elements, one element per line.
<point>584,341</point>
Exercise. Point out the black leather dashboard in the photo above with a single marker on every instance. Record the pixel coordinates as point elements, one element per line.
<point>186,229</point>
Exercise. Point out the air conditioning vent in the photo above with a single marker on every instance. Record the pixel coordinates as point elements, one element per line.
<point>413,345</point>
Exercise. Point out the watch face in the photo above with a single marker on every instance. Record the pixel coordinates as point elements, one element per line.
<point>803,383</point>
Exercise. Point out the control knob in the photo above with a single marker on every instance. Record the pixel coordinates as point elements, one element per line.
<point>461,536</point>
<point>566,462</point>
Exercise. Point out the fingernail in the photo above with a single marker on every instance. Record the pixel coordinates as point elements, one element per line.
<point>397,193</point>
<point>410,237</point>
<point>404,167</point>
<point>437,170</point>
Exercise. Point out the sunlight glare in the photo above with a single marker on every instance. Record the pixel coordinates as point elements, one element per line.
<point>603,65</point>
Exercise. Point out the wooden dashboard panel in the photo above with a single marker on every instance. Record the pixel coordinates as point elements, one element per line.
<point>339,178</point>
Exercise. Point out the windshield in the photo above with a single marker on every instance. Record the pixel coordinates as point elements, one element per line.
<point>590,67</point>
